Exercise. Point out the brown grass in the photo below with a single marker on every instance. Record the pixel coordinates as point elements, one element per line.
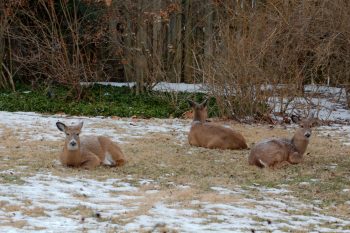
<point>17,224</point>
<point>158,157</point>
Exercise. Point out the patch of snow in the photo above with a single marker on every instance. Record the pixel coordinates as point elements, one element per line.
<point>114,84</point>
<point>146,181</point>
<point>336,131</point>
<point>108,198</point>
<point>225,191</point>
<point>54,194</point>
<point>330,103</point>
<point>273,190</point>
<point>38,127</point>
<point>153,191</point>
<point>161,86</point>
<point>180,87</point>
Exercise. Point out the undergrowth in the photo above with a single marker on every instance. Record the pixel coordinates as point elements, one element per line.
<point>100,100</point>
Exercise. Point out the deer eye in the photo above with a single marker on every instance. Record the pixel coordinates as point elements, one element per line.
<point>67,134</point>
<point>302,126</point>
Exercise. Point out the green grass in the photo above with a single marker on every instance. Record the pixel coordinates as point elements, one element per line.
<point>10,178</point>
<point>99,100</point>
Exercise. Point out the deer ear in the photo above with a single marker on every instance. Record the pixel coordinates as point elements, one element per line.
<point>191,103</point>
<point>295,119</point>
<point>314,122</point>
<point>80,125</point>
<point>61,126</point>
<point>204,103</point>
<point>311,116</point>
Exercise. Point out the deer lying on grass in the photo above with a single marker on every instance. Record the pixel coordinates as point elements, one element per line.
<point>89,151</point>
<point>279,152</point>
<point>209,135</point>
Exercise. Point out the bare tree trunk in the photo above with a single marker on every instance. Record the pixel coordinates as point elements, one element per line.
<point>127,59</point>
<point>140,59</point>
<point>157,43</point>
<point>174,44</point>
<point>115,45</point>
<point>6,73</point>
<point>187,46</point>
<point>208,35</point>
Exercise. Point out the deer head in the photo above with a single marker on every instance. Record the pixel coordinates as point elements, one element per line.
<point>200,110</point>
<point>72,141</point>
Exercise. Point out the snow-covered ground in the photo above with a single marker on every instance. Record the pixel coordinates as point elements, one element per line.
<point>43,127</point>
<point>268,210</point>
<point>112,202</point>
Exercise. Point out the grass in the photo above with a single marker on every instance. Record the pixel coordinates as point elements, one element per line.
<point>159,157</point>
<point>10,178</point>
<point>99,100</point>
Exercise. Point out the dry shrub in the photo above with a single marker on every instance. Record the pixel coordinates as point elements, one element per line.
<point>244,50</point>
<point>273,49</point>
<point>56,42</point>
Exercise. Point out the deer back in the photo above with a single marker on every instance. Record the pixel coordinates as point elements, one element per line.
<point>210,135</point>
<point>274,151</point>
<point>270,152</point>
<point>215,136</point>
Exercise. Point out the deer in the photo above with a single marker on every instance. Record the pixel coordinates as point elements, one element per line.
<point>88,151</point>
<point>276,153</point>
<point>209,135</point>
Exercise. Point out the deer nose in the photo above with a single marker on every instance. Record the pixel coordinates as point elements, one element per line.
<point>307,134</point>
<point>73,143</point>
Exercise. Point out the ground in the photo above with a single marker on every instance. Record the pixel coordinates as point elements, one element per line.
<point>167,185</point>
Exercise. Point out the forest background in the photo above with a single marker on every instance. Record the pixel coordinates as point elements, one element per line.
<point>244,52</point>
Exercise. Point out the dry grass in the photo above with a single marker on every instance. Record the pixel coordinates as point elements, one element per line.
<point>158,157</point>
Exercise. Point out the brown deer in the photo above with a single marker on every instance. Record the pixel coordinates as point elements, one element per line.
<point>279,152</point>
<point>88,151</point>
<point>209,135</point>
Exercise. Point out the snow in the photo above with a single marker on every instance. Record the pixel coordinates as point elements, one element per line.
<point>256,207</point>
<point>340,132</point>
<point>180,87</point>
<point>161,86</point>
<point>38,127</point>
<point>113,198</point>
<point>53,194</point>
<point>330,103</point>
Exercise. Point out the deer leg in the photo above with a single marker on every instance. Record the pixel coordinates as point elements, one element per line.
<point>295,158</point>
<point>91,162</point>
<point>116,154</point>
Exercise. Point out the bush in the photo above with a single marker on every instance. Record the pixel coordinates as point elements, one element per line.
<point>99,100</point>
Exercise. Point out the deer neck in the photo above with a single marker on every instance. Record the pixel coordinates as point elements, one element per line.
<point>198,118</point>
<point>71,157</point>
<point>300,144</point>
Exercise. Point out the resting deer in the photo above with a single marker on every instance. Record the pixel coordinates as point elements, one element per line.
<point>279,152</point>
<point>208,135</point>
<point>89,151</point>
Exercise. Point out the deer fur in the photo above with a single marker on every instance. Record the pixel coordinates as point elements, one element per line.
<point>209,135</point>
<point>88,151</point>
<point>279,152</point>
